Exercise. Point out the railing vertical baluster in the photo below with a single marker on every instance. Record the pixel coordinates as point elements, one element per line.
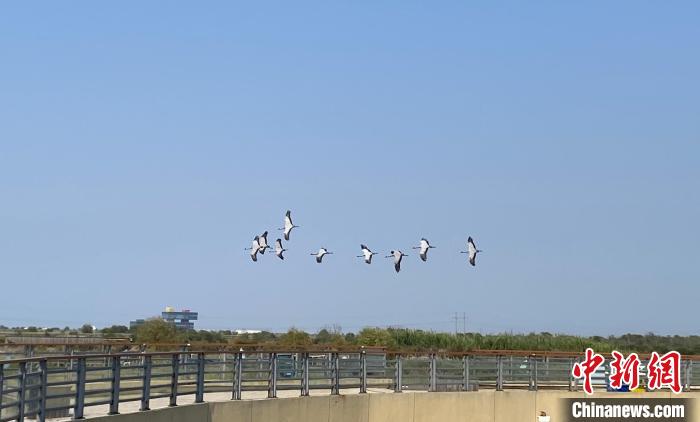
<point>363,372</point>
<point>573,383</point>
<point>20,393</point>
<point>272,376</point>
<point>223,366</point>
<point>199,397</point>
<point>499,374</point>
<point>237,375</point>
<point>398,375</point>
<point>116,385</point>
<point>79,404</point>
<point>533,372</point>
<point>536,375</point>
<point>465,373</point>
<point>174,376</point>
<point>305,374</point>
<point>43,389</point>
<point>2,386</point>
<point>531,375</point>
<point>690,374</point>
<point>433,372</point>
<point>335,374</point>
<point>146,390</point>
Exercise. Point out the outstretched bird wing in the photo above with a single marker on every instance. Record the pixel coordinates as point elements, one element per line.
<point>288,225</point>
<point>424,246</point>
<point>472,251</point>
<point>254,250</point>
<point>279,249</point>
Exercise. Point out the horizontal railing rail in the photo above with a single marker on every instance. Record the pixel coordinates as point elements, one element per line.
<point>43,387</point>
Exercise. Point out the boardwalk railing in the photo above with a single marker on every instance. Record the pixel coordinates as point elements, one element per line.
<point>64,386</point>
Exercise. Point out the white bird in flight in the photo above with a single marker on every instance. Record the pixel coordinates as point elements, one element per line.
<point>288,225</point>
<point>321,253</point>
<point>254,249</point>
<point>263,243</point>
<point>424,246</point>
<point>472,251</point>
<point>279,249</point>
<point>367,254</point>
<point>397,255</point>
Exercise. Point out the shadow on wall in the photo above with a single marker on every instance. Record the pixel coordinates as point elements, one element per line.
<point>480,406</point>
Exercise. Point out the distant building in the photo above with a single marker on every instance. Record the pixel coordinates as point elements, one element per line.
<point>181,319</point>
<point>239,332</point>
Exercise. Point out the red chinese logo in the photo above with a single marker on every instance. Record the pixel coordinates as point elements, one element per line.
<point>662,371</point>
<point>586,368</point>
<point>665,371</point>
<point>624,370</point>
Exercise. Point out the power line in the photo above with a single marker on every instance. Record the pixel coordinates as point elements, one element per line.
<point>460,323</point>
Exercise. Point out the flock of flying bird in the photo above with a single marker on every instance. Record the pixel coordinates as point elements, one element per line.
<point>260,245</point>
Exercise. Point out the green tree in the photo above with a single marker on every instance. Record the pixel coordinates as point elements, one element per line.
<point>327,337</point>
<point>264,337</point>
<point>156,330</point>
<point>115,329</point>
<point>295,337</point>
<point>375,337</point>
<point>204,336</point>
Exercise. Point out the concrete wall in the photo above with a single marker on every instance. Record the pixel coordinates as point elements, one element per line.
<point>481,406</point>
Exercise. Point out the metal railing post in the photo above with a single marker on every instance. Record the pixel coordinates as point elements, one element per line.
<point>116,384</point>
<point>398,375</point>
<point>43,389</point>
<point>465,373</point>
<point>175,374</point>
<point>146,390</point>
<point>335,374</point>
<point>499,374</point>
<point>20,392</point>
<point>79,404</point>
<point>573,383</point>
<point>237,375</point>
<point>199,396</point>
<point>433,373</point>
<point>536,375</point>
<point>305,374</point>
<point>689,376</point>
<point>363,372</point>
<point>272,376</point>
<point>2,385</point>
<point>223,366</point>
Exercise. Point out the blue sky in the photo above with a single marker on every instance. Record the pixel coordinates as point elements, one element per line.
<point>142,146</point>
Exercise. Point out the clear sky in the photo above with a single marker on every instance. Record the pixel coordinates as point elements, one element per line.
<point>144,144</point>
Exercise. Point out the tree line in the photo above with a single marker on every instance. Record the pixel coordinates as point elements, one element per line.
<point>159,331</point>
<point>415,340</point>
